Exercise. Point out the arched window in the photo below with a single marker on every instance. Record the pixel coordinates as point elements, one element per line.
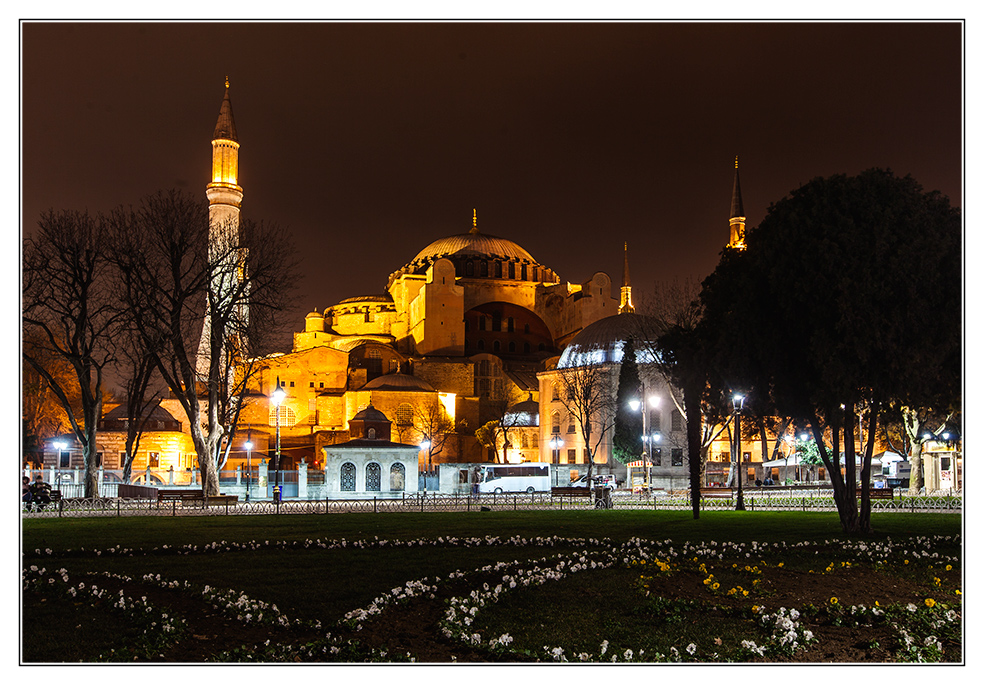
<point>555,422</point>
<point>525,442</point>
<point>481,344</point>
<point>535,441</point>
<point>469,268</point>
<point>526,348</point>
<point>398,476</point>
<point>495,345</point>
<point>483,269</point>
<point>348,477</point>
<point>512,345</point>
<point>498,269</point>
<point>287,416</point>
<point>372,434</point>
<point>372,477</point>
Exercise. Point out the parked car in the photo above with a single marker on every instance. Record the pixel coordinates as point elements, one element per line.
<point>605,480</point>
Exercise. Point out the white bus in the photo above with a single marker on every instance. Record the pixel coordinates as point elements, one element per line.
<point>529,477</point>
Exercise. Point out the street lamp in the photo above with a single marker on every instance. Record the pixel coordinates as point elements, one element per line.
<point>249,448</point>
<point>738,401</point>
<point>277,397</point>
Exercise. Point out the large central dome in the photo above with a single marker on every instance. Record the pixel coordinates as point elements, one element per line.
<point>479,255</point>
<point>472,244</point>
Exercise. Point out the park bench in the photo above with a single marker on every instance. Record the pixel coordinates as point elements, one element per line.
<point>569,492</point>
<point>194,496</point>
<point>879,493</point>
<point>54,495</point>
<point>715,493</point>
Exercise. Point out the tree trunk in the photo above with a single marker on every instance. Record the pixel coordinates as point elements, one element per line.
<point>695,451</point>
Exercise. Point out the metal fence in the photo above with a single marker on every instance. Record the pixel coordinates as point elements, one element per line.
<point>436,502</point>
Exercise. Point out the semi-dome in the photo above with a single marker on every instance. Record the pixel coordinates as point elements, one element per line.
<point>602,342</point>
<point>400,382</point>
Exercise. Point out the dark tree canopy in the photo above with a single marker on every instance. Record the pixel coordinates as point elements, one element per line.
<point>848,294</point>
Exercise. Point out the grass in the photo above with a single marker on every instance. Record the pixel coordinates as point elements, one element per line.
<point>309,580</point>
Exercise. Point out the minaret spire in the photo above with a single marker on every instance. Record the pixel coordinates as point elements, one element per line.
<point>225,198</point>
<point>625,304</point>
<point>737,220</point>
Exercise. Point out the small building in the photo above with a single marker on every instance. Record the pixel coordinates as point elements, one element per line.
<point>370,465</point>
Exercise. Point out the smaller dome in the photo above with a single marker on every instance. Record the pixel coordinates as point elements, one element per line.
<point>400,382</point>
<point>157,413</point>
<point>367,298</point>
<point>370,414</point>
<point>524,414</point>
<point>602,342</point>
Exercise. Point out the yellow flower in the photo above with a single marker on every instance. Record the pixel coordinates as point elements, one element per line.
<point>833,600</point>
<point>957,592</point>
<point>781,563</point>
<point>715,586</point>
<point>906,562</point>
<point>930,602</point>
<point>949,567</point>
<point>936,581</point>
<point>755,609</point>
<point>877,604</point>
<point>745,592</point>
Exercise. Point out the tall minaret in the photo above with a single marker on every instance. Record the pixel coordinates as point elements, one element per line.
<point>225,197</point>
<point>737,215</point>
<point>625,304</point>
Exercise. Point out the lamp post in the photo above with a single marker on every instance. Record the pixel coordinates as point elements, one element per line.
<point>277,397</point>
<point>647,454</point>
<point>738,401</point>
<point>249,448</point>
<point>789,447</point>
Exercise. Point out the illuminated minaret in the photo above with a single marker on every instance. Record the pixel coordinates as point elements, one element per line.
<point>474,228</point>
<point>225,197</point>
<point>625,304</point>
<point>737,215</point>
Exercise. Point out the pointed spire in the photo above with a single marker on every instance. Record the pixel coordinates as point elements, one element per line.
<point>625,269</point>
<point>625,303</point>
<point>737,208</point>
<point>474,228</point>
<point>225,127</point>
<point>737,220</point>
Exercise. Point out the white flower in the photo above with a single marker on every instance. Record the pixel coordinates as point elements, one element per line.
<point>691,648</point>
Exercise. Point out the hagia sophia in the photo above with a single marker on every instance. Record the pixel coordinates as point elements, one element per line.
<point>471,329</point>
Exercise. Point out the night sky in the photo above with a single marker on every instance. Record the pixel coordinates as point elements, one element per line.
<point>371,140</point>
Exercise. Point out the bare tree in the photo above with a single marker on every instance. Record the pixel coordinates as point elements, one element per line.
<point>137,364</point>
<point>434,425</point>
<point>43,415</point>
<point>174,270</point>
<point>588,394</point>
<point>68,306</point>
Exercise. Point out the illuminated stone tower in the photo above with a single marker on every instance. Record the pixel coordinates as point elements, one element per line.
<point>737,215</point>
<point>225,197</point>
<point>625,304</point>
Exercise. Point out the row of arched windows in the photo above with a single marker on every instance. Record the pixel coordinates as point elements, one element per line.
<point>397,479</point>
